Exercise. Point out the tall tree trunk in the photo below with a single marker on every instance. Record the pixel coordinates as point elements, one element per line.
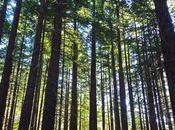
<point>38,82</point>
<point>142,79</point>
<point>34,68</point>
<point>42,98</point>
<point>2,17</point>
<point>116,106</point>
<point>102,97</point>
<point>93,99</point>
<point>10,127</point>
<point>74,106</point>
<point>152,114</point>
<point>130,89</point>
<point>62,85</point>
<point>110,96</point>
<point>10,98</point>
<point>124,120</point>
<point>167,35</point>
<point>80,110</point>
<point>122,87</point>
<point>53,71</point>
<point>168,117</point>
<point>66,111</point>
<point>39,79</point>
<point>138,101</point>
<point>4,85</point>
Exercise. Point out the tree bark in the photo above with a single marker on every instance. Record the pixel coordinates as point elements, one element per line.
<point>93,99</point>
<point>53,71</point>
<point>2,17</point>
<point>116,106</point>
<point>102,97</point>
<point>167,35</point>
<point>12,112</point>
<point>34,68</point>
<point>4,85</point>
<point>66,111</point>
<point>74,106</point>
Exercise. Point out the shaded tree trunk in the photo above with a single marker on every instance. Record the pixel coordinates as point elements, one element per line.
<point>167,35</point>
<point>34,68</point>
<point>74,106</point>
<point>93,99</point>
<point>122,86</point>
<point>2,17</point>
<point>110,96</point>
<point>53,71</point>
<point>38,82</point>
<point>66,102</point>
<point>139,103</point>
<point>42,98</point>
<point>142,80</point>
<point>102,97</point>
<point>116,106</point>
<point>4,85</point>
<point>130,89</point>
<point>62,91</point>
<point>12,112</point>
<point>152,114</point>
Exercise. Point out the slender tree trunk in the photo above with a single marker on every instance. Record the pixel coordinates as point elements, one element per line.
<point>116,106</point>
<point>163,89</point>
<point>62,87</point>
<point>4,85</point>
<point>9,97</point>
<point>129,80</point>
<point>10,127</point>
<point>18,88</point>
<point>108,115</point>
<point>80,110</point>
<point>2,17</point>
<point>66,102</point>
<point>152,115</point>
<point>139,103</point>
<point>74,106</point>
<point>110,96</point>
<point>168,117</point>
<point>122,86</point>
<point>31,86</point>
<point>102,97</point>
<point>124,120</point>
<point>9,101</point>
<point>93,99</point>
<point>53,72</point>
<point>33,122</point>
<point>142,80</point>
<point>167,35</point>
<point>42,98</point>
<point>156,105</point>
